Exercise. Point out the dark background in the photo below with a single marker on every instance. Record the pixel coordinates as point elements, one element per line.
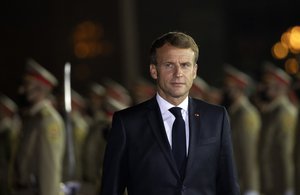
<point>237,32</point>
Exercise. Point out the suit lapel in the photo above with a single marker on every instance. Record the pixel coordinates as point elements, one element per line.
<point>195,129</point>
<point>157,126</point>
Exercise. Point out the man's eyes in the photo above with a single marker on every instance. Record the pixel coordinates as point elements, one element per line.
<point>184,65</point>
<point>168,65</point>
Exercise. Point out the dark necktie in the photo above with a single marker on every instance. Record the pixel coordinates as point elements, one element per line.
<point>178,139</point>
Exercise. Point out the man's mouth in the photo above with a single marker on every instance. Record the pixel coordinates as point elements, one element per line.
<point>177,83</point>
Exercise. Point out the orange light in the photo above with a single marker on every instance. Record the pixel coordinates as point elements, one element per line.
<point>292,66</point>
<point>285,38</point>
<point>279,50</point>
<point>81,50</point>
<point>88,40</point>
<point>87,31</point>
<point>295,38</point>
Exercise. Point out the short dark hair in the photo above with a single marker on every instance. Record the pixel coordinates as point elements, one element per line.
<point>177,39</point>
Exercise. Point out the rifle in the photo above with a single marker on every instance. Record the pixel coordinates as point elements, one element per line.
<point>71,186</point>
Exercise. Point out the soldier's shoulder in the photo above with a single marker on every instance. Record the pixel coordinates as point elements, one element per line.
<point>287,109</point>
<point>251,110</point>
<point>50,113</point>
<point>53,125</point>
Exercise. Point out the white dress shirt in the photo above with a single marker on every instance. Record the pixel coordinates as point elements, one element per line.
<point>169,118</point>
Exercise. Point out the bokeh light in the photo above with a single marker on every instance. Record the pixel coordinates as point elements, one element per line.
<point>285,38</point>
<point>292,66</point>
<point>294,38</point>
<point>88,40</point>
<point>280,51</point>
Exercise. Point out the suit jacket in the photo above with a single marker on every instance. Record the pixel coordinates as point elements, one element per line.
<point>138,155</point>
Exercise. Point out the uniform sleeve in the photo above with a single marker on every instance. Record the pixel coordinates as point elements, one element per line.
<point>50,156</point>
<point>227,182</point>
<point>115,163</point>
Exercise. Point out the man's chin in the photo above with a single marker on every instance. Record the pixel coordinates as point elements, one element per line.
<point>179,95</point>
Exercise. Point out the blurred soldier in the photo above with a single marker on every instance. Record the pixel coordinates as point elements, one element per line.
<point>113,105</point>
<point>215,95</point>
<point>199,89</point>
<point>104,100</point>
<point>118,92</point>
<point>80,130</point>
<point>142,90</point>
<point>9,130</point>
<point>39,158</point>
<point>117,98</point>
<point>296,87</point>
<point>94,145</point>
<point>245,125</point>
<point>279,118</point>
<point>202,90</point>
<point>96,97</point>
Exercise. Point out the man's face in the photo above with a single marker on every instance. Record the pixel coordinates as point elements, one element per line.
<point>96,100</point>
<point>2,112</point>
<point>32,90</point>
<point>270,88</point>
<point>231,88</point>
<point>231,91</point>
<point>174,72</point>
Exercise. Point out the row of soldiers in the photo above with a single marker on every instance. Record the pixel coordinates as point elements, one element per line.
<point>265,129</point>
<point>34,154</point>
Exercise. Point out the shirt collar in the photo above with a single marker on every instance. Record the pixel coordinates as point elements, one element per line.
<point>164,105</point>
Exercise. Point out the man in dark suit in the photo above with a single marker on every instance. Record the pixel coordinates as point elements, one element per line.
<point>152,150</point>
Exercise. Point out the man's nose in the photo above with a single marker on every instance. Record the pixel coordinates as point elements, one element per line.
<point>178,71</point>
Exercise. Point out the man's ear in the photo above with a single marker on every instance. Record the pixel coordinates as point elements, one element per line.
<point>195,71</point>
<point>153,71</point>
